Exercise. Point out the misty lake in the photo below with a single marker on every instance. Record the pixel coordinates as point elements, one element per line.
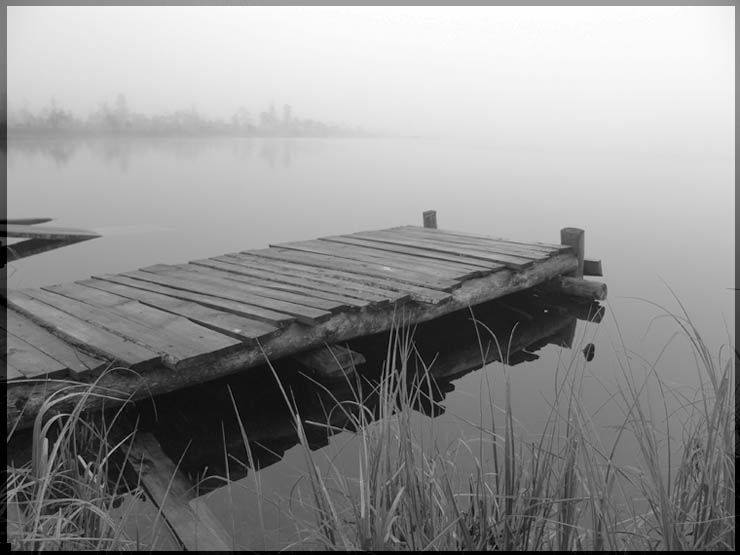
<point>657,219</point>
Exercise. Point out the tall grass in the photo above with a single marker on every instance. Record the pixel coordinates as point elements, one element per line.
<point>65,497</point>
<point>563,491</point>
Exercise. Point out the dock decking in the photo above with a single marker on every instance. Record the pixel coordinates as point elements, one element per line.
<point>178,325</point>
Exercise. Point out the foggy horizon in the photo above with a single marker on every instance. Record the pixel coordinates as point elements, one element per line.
<point>573,75</point>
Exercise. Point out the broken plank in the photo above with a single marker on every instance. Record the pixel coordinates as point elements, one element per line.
<point>172,492</point>
<point>76,361</point>
<point>181,343</point>
<point>233,325</point>
<point>79,332</point>
<point>304,314</point>
<point>277,319</point>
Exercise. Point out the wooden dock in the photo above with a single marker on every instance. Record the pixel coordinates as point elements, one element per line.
<point>172,326</point>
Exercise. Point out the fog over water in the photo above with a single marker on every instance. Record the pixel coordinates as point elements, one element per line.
<point>595,77</point>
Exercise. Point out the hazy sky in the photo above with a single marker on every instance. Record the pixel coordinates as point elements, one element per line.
<point>571,71</point>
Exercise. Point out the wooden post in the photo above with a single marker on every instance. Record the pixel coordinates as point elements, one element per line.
<point>575,237</point>
<point>430,219</point>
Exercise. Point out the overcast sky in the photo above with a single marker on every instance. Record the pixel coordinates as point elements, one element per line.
<point>441,70</point>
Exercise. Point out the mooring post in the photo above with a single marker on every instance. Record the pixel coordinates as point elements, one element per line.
<point>430,219</point>
<point>575,237</point>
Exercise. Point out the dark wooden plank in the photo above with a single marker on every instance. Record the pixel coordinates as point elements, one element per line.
<point>345,283</point>
<point>514,262</point>
<point>58,233</point>
<point>426,275</point>
<point>24,221</point>
<point>30,247</point>
<point>422,266</point>
<point>240,327</point>
<point>173,494</point>
<point>266,279</point>
<point>482,265</point>
<point>277,319</point>
<point>212,275</point>
<point>404,281</point>
<point>31,362</point>
<point>487,245</point>
<point>76,361</point>
<point>79,332</point>
<point>304,314</point>
<point>546,246</point>
<point>331,361</point>
<point>181,343</point>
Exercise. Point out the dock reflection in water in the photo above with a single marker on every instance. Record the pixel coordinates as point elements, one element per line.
<point>199,427</point>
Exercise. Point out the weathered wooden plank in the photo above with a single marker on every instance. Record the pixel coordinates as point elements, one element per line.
<point>30,247</point>
<point>561,249</point>
<point>429,275</point>
<point>419,289</point>
<point>481,265</point>
<point>277,319</point>
<point>76,361</point>
<point>346,283</point>
<point>280,299</point>
<point>181,344</point>
<point>266,279</point>
<point>185,343</point>
<point>171,491</point>
<point>11,373</point>
<point>577,287</point>
<point>24,221</point>
<point>79,332</point>
<point>296,338</point>
<point>331,361</point>
<point>31,362</point>
<point>304,314</point>
<point>240,327</point>
<point>244,283</point>
<point>486,245</point>
<point>58,233</point>
<point>422,268</point>
<point>514,262</point>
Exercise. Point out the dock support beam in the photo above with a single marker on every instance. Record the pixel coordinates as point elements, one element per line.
<point>430,219</point>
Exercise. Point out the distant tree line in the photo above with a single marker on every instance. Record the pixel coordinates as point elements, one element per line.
<point>119,119</point>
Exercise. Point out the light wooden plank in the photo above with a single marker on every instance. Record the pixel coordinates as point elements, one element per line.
<point>426,275</point>
<point>58,233</point>
<point>76,361</point>
<point>481,265</point>
<point>487,245</point>
<point>514,262</point>
<point>212,275</point>
<point>344,283</point>
<point>277,319</point>
<point>423,265</point>
<point>304,314</point>
<point>182,343</point>
<point>82,333</point>
<point>555,246</point>
<point>11,373</point>
<point>268,279</point>
<point>31,362</point>
<point>240,327</point>
<point>419,289</point>
<point>172,493</point>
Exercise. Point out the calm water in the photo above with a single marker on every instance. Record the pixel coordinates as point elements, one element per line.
<point>654,219</point>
